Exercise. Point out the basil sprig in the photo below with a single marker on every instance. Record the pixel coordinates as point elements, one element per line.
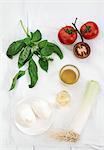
<point>27,47</point>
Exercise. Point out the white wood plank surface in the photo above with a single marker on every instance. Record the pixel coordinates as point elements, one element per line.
<point>10,135</point>
<point>14,147</point>
<point>7,147</point>
<point>24,148</point>
<point>52,148</point>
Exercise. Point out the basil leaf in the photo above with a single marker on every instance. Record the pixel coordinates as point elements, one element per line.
<point>23,57</point>
<point>46,51</point>
<point>29,57</point>
<point>17,76</point>
<point>56,50</point>
<point>42,44</point>
<point>43,64</point>
<point>27,41</point>
<point>34,49</point>
<point>15,48</point>
<point>36,36</point>
<point>33,73</point>
<point>49,48</point>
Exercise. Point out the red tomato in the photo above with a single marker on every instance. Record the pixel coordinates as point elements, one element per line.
<point>89,30</point>
<point>67,35</point>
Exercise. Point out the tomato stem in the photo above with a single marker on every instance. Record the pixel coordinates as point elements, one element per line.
<point>68,31</point>
<point>74,24</point>
<point>88,28</point>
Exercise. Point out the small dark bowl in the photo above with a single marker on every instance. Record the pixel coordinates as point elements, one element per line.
<point>79,46</point>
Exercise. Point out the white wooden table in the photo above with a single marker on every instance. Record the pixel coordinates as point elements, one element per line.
<point>49,17</point>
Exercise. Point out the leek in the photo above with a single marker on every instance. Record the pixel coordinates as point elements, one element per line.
<point>82,114</point>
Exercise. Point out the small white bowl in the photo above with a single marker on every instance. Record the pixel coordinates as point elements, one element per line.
<point>41,125</point>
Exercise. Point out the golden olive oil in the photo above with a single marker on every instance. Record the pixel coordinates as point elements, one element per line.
<point>69,74</point>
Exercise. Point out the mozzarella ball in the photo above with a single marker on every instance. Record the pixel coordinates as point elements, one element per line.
<point>24,115</point>
<point>41,109</point>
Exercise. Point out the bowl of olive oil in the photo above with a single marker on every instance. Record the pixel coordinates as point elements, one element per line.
<point>69,74</point>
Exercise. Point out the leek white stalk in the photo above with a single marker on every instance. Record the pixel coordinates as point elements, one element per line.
<point>82,114</point>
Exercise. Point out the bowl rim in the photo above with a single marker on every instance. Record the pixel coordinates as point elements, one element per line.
<point>20,127</point>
